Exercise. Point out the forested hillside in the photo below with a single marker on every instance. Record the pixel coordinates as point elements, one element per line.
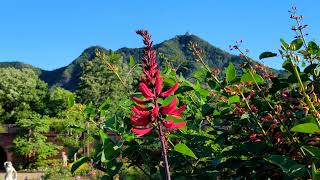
<point>175,50</point>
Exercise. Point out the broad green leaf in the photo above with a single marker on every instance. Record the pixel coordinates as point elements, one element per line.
<point>267,55</point>
<point>78,163</point>
<point>296,44</point>
<point>313,152</point>
<point>184,149</point>
<point>288,166</point>
<point>248,77</point>
<point>309,128</point>
<point>230,72</point>
<point>312,48</point>
<point>233,99</point>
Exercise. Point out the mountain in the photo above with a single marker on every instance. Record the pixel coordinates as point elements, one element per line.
<point>175,48</point>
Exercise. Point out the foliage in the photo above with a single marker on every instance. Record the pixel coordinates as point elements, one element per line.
<point>20,91</point>
<point>105,77</point>
<point>244,123</point>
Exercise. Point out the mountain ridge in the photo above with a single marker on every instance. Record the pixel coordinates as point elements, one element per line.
<point>174,48</point>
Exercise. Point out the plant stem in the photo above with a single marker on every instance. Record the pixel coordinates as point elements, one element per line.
<point>306,96</point>
<point>164,150</point>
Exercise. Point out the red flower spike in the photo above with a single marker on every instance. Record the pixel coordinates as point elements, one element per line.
<point>146,92</point>
<point>170,107</point>
<point>170,91</point>
<point>141,132</point>
<point>138,100</point>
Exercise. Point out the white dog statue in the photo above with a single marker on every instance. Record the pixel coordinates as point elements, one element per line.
<point>11,173</point>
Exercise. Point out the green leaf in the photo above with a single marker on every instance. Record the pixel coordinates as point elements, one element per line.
<point>248,77</point>
<point>104,107</point>
<point>312,48</point>
<point>287,66</point>
<point>167,101</point>
<point>296,44</point>
<point>207,109</point>
<point>313,152</point>
<point>288,166</point>
<point>131,61</point>
<point>233,99</point>
<point>284,44</point>
<point>267,55</point>
<point>315,172</point>
<point>103,135</point>
<point>184,149</point>
<point>183,88</point>
<point>78,163</point>
<point>309,128</point>
<point>230,72</point>
<point>71,101</point>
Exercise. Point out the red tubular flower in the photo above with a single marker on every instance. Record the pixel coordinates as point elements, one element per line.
<point>138,100</point>
<point>170,91</point>
<point>170,124</point>
<point>151,88</point>
<point>146,92</point>
<point>170,107</point>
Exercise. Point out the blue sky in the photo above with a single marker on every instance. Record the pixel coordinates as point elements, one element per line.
<point>50,34</point>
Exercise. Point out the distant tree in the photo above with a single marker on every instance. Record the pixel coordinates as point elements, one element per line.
<point>20,90</point>
<point>58,101</point>
<point>107,76</point>
<point>31,142</point>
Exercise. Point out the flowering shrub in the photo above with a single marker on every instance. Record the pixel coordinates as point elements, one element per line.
<point>251,124</point>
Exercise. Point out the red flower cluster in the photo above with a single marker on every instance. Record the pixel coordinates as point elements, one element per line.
<point>147,110</point>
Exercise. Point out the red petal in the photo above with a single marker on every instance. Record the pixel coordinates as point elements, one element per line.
<point>138,100</point>
<point>177,112</point>
<point>147,73</point>
<point>167,124</point>
<point>139,112</point>
<point>139,121</point>
<point>159,81</point>
<point>179,125</point>
<point>170,91</point>
<point>170,107</point>
<point>141,132</point>
<point>170,124</point>
<point>142,108</point>
<point>155,111</point>
<point>146,92</point>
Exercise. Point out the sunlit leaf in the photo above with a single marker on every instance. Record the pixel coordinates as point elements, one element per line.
<point>230,73</point>
<point>309,128</point>
<point>184,149</point>
<point>78,163</point>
